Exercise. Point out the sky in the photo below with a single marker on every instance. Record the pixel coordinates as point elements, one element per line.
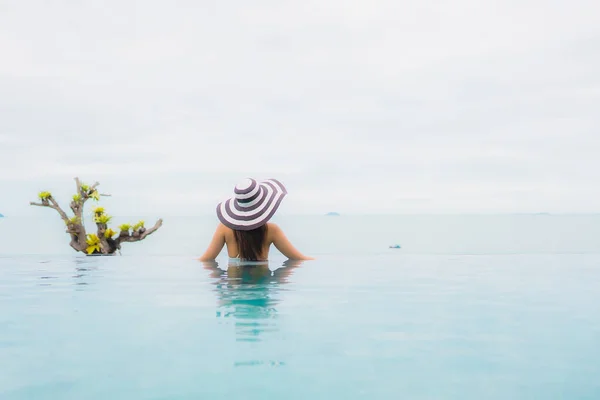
<point>431,106</point>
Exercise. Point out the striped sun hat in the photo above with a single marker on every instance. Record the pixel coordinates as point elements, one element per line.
<point>253,205</point>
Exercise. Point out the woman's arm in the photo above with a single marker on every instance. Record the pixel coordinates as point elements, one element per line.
<point>215,246</point>
<point>282,244</point>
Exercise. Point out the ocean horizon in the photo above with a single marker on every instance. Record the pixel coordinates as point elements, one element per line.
<point>357,234</point>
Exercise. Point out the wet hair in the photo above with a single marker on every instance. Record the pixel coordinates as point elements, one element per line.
<point>251,243</point>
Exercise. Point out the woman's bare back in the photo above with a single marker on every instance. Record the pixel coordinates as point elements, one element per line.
<point>226,236</point>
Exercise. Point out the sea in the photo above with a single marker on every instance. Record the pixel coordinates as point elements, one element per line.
<point>465,307</point>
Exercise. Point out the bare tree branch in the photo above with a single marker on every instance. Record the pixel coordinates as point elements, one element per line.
<point>55,205</point>
<point>137,236</point>
<point>76,228</point>
<point>78,206</point>
<point>75,240</point>
<point>78,183</point>
<point>85,194</point>
<point>104,245</point>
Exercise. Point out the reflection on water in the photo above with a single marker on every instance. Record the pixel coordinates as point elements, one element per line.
<point>83,267</point>
<point>83,272</point>
<point>246,298</point>
<point>249,293</point>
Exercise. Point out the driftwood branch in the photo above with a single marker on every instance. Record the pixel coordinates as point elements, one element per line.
<point>55,205</point>
<point>85,195</point>
<point>100,243</point>
<point>79,186</point>
<point>75,240</point>
<point>77,207</point>
<point>138,235</point>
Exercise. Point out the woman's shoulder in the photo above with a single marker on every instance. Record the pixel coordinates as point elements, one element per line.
<point>224,230</point>
<point>273,227</point>
<point>273,231</point>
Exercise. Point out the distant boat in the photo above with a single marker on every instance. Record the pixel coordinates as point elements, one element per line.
<point>396,246</point>
<point>333,214</point>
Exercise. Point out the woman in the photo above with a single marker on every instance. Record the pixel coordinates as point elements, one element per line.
<point>244,226</point>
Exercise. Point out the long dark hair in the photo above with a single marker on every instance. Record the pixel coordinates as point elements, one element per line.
<point>251,243</point>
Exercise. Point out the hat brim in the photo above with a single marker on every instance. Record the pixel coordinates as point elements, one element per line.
<point>245,218</point>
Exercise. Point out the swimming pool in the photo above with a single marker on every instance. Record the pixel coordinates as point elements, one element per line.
<point>383,326</point>
<point>471,307</point>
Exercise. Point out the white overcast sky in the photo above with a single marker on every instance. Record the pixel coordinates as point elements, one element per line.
<point>375,106</point>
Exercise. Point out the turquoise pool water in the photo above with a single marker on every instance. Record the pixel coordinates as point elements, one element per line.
<point>369,324</point>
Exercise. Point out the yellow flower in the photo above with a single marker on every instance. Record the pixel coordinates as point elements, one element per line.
<point>93,243</point>
<point>73,220</point>
<point>98,210</point>
<point>139,225</point>
<point>85,187</point>
<point>102,219</point>
<point>109,233</point>
<point>95,195</point>
<point>44,195</point>
<point>76,197</point>
<point>125,227</point>
<point>92,239</point>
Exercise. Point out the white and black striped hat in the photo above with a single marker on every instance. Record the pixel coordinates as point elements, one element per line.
<point>253,205</point>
